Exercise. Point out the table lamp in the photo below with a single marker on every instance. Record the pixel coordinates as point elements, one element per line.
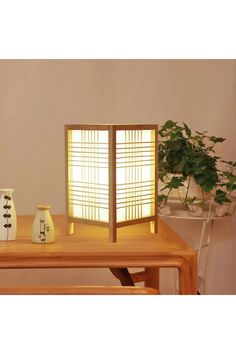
<point>111,176</point>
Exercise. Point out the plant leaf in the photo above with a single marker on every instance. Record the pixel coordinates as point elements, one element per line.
<point>214,139</point>
<point>174,183</point>
<point>169,124</point>
<point>187,130</point>
<point>221,197</point>
<point>161,197</point>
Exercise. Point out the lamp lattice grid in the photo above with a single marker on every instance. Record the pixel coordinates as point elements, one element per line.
<point>111,174</point>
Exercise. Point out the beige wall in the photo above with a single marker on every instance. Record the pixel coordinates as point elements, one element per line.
<point>38,97</point>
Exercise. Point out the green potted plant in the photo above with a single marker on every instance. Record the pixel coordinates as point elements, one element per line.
<point>188,159</point>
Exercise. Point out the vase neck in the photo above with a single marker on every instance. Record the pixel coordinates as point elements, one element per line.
<point>43,207</point>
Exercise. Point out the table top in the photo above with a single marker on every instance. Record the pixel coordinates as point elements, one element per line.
<point>89,246</point>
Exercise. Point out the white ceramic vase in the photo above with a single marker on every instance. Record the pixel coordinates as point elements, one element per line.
<point>193,189</point>
<point>43,228</point>
<point>165,211</point>
<point>7,215</point>
<point>222,210</point>
<point>196,212</point>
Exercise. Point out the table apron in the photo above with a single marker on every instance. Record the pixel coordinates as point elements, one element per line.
<point>90,262</point>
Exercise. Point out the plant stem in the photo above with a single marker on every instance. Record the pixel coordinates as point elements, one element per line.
<point>186,195</point>
<point>203,196</point>
<point>167,196</point>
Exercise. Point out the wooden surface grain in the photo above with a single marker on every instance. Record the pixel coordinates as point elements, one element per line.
<point>78,290</point>
<point>89,247</point>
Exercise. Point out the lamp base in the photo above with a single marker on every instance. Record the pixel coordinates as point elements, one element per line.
<point>70,228</point>
<point>153,227</point>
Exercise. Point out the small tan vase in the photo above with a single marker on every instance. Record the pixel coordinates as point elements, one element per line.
<point>43,228</point>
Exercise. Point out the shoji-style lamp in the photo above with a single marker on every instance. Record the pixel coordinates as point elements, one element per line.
<point>111,175</point>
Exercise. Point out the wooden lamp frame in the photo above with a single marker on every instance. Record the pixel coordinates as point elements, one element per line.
<point>112,224</point>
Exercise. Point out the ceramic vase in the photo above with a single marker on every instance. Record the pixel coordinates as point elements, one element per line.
<point>43,228</point>
<point>7,215</point>
<point>165,211</point>
<point>189,184</point>
<point>197,212</point>
<point>221,210</point>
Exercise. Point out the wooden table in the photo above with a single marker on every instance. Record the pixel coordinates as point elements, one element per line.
<point>89,248</point>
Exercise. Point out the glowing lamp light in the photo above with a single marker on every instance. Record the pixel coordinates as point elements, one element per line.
<point>111,175</point>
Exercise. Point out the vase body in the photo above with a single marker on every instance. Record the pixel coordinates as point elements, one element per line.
<point>222,210</point>
<point>193,190</point>
<point>43,228</point>
<point>7,215</point>
<point>188,185</point>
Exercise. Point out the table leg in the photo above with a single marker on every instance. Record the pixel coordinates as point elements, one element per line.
<point>188,277</point>
<point>123,275</point>
<point>152,277</point>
